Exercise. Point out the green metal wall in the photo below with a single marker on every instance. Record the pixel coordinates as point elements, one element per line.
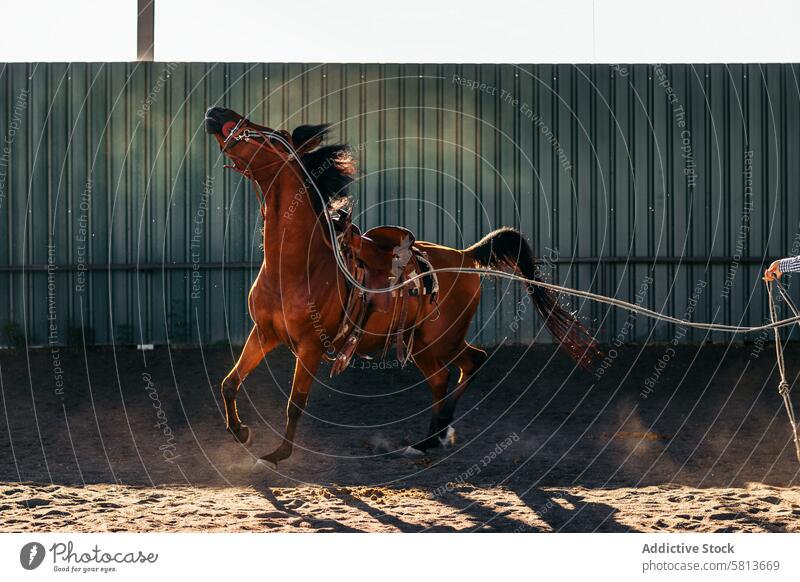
<point>616,173</point>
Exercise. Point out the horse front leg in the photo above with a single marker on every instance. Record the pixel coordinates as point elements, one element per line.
<point>305,368</point>
<point>259,343</point>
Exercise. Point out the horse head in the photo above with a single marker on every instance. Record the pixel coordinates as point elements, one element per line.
<point>255,148</point>
<point>260,153</point>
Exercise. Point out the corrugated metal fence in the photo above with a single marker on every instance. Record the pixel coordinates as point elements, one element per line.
<point>666,185</point>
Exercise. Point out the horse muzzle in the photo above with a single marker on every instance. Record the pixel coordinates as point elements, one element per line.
<point>217,117</point>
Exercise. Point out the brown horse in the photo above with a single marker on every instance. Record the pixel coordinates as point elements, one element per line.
<point>300,295</point>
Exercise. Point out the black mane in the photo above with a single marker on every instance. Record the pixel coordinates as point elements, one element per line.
<point>331,166</point>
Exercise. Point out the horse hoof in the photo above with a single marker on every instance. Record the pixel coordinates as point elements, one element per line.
<point>410,451</point>
<point>275,456</point>
<point>269,462</point>
<point>244,435</point>
<point>448,439</point>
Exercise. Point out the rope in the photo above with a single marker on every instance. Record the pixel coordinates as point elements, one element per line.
<point>783,386</point>
<point>342,264</point>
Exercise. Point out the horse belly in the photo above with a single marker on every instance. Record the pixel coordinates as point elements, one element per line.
<point>379,325</point>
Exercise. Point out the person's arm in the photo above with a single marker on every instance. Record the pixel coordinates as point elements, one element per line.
<point>779,267</point>
<point>790,265</point>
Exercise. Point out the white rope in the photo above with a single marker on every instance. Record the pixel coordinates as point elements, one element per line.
<point>783,386</point>
<point>342,264</point>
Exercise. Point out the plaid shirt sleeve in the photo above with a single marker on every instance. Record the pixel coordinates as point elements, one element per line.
<point>790,265</point>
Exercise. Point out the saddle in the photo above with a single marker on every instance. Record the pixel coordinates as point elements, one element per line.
<point>380,257</point>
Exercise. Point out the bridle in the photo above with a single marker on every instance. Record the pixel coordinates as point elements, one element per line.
<point>261,137</point>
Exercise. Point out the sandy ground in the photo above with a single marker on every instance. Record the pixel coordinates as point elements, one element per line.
<point>136,442</point>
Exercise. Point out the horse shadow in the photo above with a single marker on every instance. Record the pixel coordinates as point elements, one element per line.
<point>567,512</point>
<point>326,524</point>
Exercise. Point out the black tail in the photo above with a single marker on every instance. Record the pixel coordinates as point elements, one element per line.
<point>507,248</point>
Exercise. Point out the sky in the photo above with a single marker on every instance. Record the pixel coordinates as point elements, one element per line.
<point>465,31</point>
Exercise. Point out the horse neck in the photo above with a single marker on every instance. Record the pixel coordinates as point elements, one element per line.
<point>293,238</point>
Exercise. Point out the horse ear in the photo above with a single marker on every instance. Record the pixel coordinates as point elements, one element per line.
<point>309,137</point>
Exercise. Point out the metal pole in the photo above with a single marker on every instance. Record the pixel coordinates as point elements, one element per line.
<point>144,30</point>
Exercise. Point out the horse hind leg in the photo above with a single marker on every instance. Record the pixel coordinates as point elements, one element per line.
<point>257,346</point>
<point>469,361</point>
<point>437,375</point>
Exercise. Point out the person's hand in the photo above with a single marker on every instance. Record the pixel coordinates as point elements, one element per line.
<point>774,272</point>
